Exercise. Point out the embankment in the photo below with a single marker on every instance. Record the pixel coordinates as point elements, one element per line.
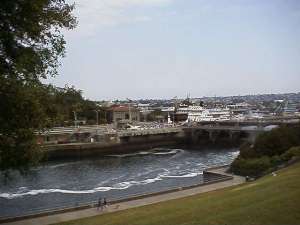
<point>123,145</point>
<point>179,139</point>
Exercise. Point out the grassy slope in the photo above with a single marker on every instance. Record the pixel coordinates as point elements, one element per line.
<point>269,200</point>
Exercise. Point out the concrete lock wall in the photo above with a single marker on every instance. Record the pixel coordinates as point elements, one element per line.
<point>123,145</point>
<point>202,137</point>
<point>188,138</point>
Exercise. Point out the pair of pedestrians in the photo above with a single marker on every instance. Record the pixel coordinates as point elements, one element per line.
<point>101,205</point>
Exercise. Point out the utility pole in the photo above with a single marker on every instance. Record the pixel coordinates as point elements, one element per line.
<point>175,103</point>
<point>75,119</point>
<point>215,100</point>
<point>97,117</point>
<point>129,109</point>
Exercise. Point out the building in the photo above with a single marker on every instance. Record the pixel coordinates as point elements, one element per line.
<point>199,114</point>
<point>290,108</point>
<point>145,110</point>
<point>120,112</point>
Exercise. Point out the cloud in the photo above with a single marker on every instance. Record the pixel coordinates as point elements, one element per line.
<point>96,14</point>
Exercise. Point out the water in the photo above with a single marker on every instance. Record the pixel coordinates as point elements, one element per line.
<point>71,183</point>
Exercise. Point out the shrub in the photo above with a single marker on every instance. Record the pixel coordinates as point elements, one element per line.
<point>292,152</point>
<point>276,160</point>
<point>269,151</point>
<point>277,141</point>
<point>247,151</point>
<point>251,167</point>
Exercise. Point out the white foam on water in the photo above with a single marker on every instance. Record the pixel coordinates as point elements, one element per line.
<point>43,191</point>
<point>119,186</point>
<point>47,191</point>
<point>175,151</point>
<point>141,174</point>
<point>109,180</point>
<point>130,154</point>
<point>22,188</point>
<point>153,152</point>
<point>54,166</point>
<point>193,174</point>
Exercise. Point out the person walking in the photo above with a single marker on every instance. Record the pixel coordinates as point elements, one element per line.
<point>99,205</point>
<point>105,203</point>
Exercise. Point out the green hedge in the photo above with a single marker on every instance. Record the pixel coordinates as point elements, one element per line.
<point>256,166</point>
<point>251,167</point>
<point>291,153</point>
<point>270,150</point>
<point>277,141</point>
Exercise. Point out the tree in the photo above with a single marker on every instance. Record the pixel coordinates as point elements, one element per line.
<point>277,141</point>
<point>31,41</point>
<point>31,44</point>
<point>21,113</point>
<point>269,150</point>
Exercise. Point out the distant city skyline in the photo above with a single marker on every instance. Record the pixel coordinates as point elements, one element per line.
<point>158,49</point>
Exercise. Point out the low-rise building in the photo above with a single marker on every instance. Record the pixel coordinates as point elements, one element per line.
<point>121,112</point>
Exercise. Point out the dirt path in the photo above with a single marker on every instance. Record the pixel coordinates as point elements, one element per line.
<point>44,220</point>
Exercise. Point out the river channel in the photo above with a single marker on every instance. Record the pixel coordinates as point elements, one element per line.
<point>62,184</point>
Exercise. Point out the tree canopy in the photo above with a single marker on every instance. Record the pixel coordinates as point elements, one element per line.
<point>270,149</point>
<point>31,44</point>
<point>31,41</point>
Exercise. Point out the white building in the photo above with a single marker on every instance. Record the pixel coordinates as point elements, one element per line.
<point>198,114</point>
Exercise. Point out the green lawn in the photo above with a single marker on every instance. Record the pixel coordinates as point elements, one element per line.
<point>269,200</point>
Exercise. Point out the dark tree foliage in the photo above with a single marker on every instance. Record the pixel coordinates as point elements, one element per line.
<point>269,150</point>
<point>21,113</point>
<point>277,141</point>
<point>30,38</point>
<point>251,167</point>
<point>31,44</point>
<point>62,102</point>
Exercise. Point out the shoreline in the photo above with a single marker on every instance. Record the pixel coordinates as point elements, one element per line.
<point>57,213</point>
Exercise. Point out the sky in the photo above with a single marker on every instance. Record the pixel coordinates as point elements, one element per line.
<point>164,48</point>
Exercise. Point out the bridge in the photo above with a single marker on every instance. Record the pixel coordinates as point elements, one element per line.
<point>225,134</point>
<point>91,141</point>
<point>211,130</point>
<point>254,122</point>
<point>140,132</point>
<point>229,128</point>
<point>233,130</point>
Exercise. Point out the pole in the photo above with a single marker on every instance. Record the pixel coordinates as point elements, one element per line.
<point>75,119</point>
<point>129,109</point>
<point>130,119</point>
<point>174,117</point>
<point>97,119</point>
<point>175,103</point>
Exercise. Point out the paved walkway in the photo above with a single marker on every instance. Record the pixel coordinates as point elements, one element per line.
<point>57,218</point>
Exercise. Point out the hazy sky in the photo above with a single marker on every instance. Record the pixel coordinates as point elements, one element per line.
<point>165,48</point>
